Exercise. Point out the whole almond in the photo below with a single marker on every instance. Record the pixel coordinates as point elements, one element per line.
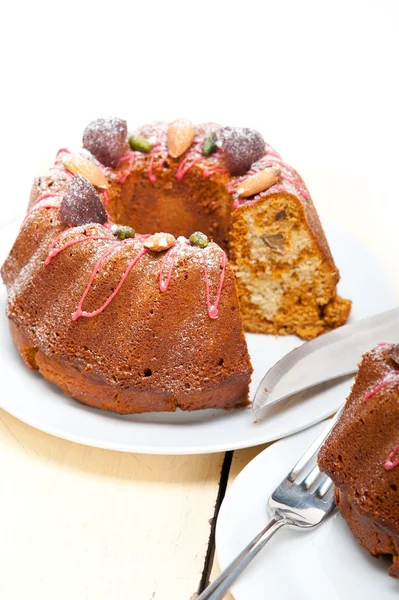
<point>78,164</point>
<point>160,242</point>
<point>259,182</point>
<point>180,136</point>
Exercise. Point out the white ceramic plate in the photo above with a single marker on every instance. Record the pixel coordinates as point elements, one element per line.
<point>323,564</point>
<point>31,399</point>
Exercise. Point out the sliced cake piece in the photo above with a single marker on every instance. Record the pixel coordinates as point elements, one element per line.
<point>286,276</point>
<point>361,455</point>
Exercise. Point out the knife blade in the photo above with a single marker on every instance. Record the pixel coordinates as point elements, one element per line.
<point>332,355</point>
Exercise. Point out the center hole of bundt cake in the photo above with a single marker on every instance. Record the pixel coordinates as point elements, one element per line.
<point>180,207</point>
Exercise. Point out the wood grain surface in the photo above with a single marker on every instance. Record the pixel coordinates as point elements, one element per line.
<point>83,523</point>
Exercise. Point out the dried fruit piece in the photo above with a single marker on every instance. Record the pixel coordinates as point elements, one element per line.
<point>199,239</point>
<point>78,164</point>
<point>81,204</point>
<point>210,145</point>
<point>140,143</point>
<point>275,242</point>
<point>395,354</point>
<point>106,140</point>
<point>180,136</point>
<point>280,216</point>
<point>259,182</point>
<point>160,241</point>
<point>123,232</point>
<point>241,148</point>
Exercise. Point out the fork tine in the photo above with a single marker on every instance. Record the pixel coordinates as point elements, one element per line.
<point>311,454</point>
<point>324,487</point>
<point>311,478</point>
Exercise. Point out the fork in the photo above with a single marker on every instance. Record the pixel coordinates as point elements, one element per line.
<point>303,500</point>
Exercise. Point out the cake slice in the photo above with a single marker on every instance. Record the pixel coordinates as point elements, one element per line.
<point>361,455</point>
<point>286,276</point>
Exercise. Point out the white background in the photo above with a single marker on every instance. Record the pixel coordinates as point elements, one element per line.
<point>318,79</point>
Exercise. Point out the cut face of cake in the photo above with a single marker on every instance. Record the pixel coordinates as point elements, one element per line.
<point>361,455</point>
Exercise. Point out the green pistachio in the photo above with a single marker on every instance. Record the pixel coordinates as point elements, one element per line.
<point>199,239</point>
<point>123,232</point>
<point>140,143</point>
<point>209,146</point>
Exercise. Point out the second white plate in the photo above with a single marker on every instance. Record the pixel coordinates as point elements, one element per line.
<point>27,396</point>
<point>325,563</point>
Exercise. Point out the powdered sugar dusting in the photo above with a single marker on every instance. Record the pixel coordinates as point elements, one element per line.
<point>390,378</point>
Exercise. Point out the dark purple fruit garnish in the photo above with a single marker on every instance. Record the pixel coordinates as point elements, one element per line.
<point>81,204</point>
<point>106,140</point>
<point>241,148</point>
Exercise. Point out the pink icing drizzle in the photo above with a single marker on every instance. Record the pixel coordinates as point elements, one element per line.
<point>105,200</point>
<point>208,171</point>
<point>39,207</point>
<point>392,377</point>
<point>80,312</point>
<point>163,285</point>
<point>130,158</point>
<point>184,167</point>
<point>151,175</point>
<point>213,311</point>
<point>54,251</point>
<point>154,151</point>
<point>63,150</point>
<point>392,460</point>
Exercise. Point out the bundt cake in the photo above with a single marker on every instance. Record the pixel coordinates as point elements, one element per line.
<point>86,297</point>
<point>361,455</point>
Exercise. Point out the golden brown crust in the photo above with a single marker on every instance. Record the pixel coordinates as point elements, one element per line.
<point>75,382</point>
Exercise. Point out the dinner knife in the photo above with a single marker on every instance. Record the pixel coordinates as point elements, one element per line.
<point>330,356</point>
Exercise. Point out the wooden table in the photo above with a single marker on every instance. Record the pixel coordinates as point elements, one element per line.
<point>78,522</point>
<point>87,524</point>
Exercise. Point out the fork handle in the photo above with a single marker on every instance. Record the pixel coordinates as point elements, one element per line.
<point>222,584</point>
